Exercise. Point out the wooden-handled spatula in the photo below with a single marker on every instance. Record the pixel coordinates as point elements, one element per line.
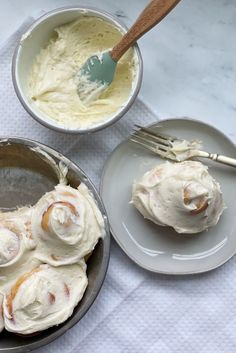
<point>98,72</point>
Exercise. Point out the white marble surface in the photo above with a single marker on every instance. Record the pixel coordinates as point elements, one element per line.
<point>189,59</point>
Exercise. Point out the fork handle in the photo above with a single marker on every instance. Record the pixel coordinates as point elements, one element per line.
<point>222,159</point>
<point>155,11</point>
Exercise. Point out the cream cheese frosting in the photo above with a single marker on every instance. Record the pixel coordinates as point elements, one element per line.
<point>44,297</point>
<point>180,195</point>
<point>9,246</point>
<point>182,150</point>
<point>53,79</point>
<point>67,224</point>
<point>9,274</point>
<point>42,250</point>
<point>15,236</point>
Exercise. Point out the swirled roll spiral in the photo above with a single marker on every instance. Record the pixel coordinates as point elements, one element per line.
<point>43,297</point>
<point>67,224</point>
<point>180,195</point>
<point>15,236</point>
<point>42,250</point>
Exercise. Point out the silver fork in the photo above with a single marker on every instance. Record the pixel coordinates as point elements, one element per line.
<point>165,146</point>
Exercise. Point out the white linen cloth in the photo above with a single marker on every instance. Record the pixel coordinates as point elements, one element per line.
<point>136,311</point>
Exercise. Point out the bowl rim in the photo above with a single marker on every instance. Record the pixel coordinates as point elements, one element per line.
<point>49,122</point>
<point>71,321</point>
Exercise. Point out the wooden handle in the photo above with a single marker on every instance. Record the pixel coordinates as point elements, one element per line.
<point>152,14</point>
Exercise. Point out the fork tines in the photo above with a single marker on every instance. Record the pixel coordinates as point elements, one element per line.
<point>148,145</point>
<point>157,143</point>
<point>153,132</point>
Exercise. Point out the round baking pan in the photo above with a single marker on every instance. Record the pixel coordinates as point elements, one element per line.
<point>25,175</point>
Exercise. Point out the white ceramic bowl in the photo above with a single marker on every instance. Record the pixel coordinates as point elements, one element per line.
<point>36,37</point>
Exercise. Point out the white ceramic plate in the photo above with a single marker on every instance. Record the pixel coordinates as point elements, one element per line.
<point>161,249</point>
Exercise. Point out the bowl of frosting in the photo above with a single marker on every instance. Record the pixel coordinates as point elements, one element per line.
<point>48,58</point>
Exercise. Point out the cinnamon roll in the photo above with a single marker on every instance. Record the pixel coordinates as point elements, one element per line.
<point>42,250</point>
<point>180,195</point>
<point>15,236</point>
<point>67,225</point>
<point>9,246</point>
<point>43,297</point>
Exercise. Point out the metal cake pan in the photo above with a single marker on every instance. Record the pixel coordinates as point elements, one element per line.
<point>24,178</point>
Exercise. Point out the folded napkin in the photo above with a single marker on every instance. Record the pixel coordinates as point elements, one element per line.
<point>136,311</point>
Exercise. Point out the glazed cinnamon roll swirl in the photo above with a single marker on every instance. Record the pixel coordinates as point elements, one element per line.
<point>180,195</point>
<point>9,246</point>
<point>67,225</point>
<point>43,297</point>
<point>15,236</point>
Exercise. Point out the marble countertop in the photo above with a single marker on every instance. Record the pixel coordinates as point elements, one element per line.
<point>189,70</point>
<point>189,58</point>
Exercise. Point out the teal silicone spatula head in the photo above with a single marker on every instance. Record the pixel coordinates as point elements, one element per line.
<point>98,72</point>
<point>101,69</point>
<point>95,76</point>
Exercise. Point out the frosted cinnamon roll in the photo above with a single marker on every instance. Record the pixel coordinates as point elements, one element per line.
<point>43,297</point>
<point>67,224</point>
<point>15,236</point>
<point>1,314</point>
<point>10,244</point>
<point>180,195</point>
